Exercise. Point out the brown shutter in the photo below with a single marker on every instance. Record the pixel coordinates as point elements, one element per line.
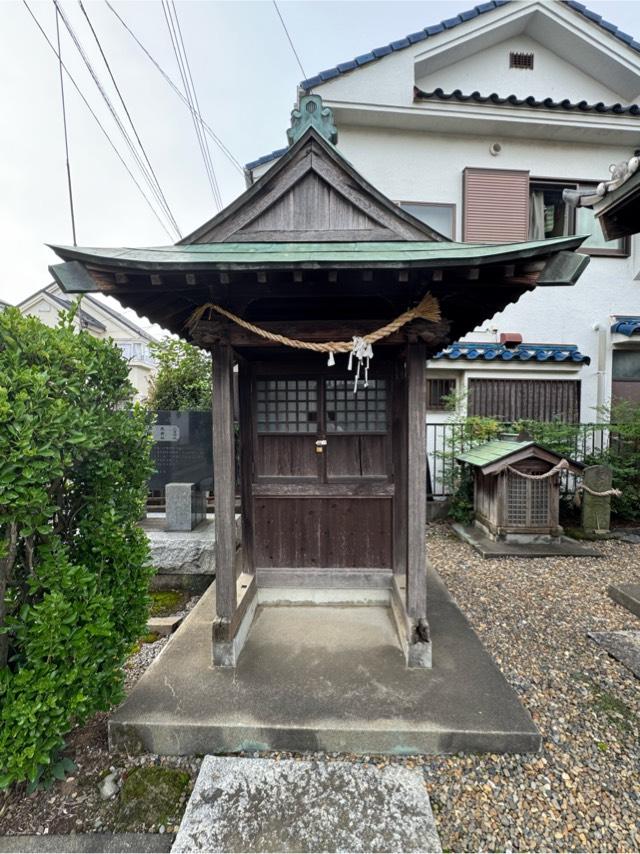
<point>496,205</point>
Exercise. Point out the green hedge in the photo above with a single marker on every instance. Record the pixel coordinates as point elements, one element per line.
<point>74,571</point>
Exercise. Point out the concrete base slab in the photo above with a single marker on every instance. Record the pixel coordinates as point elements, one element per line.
<point>325,678</point>
<point>488,548</point>
<point>627,595</point>
<point>88,842</point>
<point>163,626</point>
<point>255,805</point>
<point>623,646</point>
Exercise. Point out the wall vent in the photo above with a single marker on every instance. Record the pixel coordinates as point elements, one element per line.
<point>521,60</point>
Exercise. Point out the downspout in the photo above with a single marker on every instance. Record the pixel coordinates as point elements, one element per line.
<point>601,372</point>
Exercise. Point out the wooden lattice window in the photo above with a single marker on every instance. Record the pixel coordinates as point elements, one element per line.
<point>364,412</point>
<point>511,400</point>
<point>527,502</point>
<point>287,406</point>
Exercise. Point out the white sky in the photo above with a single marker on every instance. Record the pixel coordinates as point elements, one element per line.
<point>245,74</point>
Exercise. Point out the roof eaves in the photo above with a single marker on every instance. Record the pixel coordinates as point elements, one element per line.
<point>449,24</point>
<point>529,101</point>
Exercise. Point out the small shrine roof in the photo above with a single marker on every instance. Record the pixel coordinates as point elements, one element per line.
<point>503,452</point>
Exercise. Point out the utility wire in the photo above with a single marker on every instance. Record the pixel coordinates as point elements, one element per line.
<point>195,100</point>
<point>66,137</point>
<point>168,79</point>
<point>129,143</point>
<point>97,120</point>
<point>173,35</point>
<point>284,27</point>
<point>128,114</point>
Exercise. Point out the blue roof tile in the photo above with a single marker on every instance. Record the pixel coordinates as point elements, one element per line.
<point>328,74</point>
<point>626,326</point>
<point>489,352</point>
<point>450,23</point>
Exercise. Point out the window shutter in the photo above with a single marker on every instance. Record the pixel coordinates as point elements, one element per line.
<point>539,400</point>
<point>496,205</point>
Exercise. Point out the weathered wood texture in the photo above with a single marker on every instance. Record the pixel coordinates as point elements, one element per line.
<point>246,446</point>
<point>416,482</point>
<point>224,478</point>
<point>399,433</point>
<point>323,532</point>
<point>511,400</point>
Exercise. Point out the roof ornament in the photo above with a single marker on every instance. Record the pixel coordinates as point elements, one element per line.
<point>311,113</point>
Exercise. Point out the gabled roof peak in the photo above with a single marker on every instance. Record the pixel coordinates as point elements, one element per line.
<point>449,24</point>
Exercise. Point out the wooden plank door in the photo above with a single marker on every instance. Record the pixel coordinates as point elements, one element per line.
<point>323,480</point>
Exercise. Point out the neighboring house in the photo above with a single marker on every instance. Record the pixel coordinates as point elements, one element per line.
<point>102,322</point>
<point>477,125</point>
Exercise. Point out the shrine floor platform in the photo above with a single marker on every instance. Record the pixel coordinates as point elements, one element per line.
<point>564,547</point>
<point>325,678</point>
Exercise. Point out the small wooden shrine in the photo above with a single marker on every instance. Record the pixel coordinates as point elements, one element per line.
<point>517,489</point>
<point>309,272</point>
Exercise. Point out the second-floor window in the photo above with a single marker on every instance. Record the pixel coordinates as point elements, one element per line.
<point>438,215</point>
<point>504,205</point>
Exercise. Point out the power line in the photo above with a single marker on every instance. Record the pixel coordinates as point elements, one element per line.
<point>125,134</point>
<point>97,120</point>
<point>173,35</point>
<point>195,100</point>
<point>66,137</point>
<point>128,114</point>
<point>284,27</point>
<point>236,163</point>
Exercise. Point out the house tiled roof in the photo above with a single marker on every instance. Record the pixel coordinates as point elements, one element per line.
<point>513,101</point>
<point>626,326</point>
<point>449,24</point>
<point>489,352</point>
<point>433,30</point>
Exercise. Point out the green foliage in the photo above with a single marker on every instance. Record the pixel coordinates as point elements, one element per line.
<point>461,507</point>
<point>183,380</point>
<point>164,603</point>
<point>460,436</point>
<point>74,464</point>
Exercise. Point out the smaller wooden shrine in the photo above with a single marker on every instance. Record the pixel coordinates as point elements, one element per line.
<point>517,489</point>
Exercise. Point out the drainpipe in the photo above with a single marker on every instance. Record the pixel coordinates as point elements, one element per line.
<point>601,364</point>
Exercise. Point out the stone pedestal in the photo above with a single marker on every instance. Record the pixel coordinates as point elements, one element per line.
<point>186,506</point>
<point>596,511</point>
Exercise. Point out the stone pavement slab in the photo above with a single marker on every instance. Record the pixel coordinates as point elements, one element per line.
<point>163,625</point>
<point>623,646</point>
<point>100,843</point>
<point>627,595</point>
<point>264,805</point>
<point>488,548</point>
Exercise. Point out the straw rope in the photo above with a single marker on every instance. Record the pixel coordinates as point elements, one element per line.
<point>427,309</point>
<point>561,466</point>
<point>605,494</point>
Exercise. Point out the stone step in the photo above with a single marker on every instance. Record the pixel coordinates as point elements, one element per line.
<point>253,805</point>
<point>627,595</point>
<point>163,625</point>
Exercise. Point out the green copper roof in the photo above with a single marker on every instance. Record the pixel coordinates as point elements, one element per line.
<point>491,452</point>
<point>212,255</point>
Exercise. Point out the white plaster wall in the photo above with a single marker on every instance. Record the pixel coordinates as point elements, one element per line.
<point>488,71</point>
<point>414,166</point>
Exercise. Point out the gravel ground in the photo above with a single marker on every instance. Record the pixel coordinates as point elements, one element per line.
<point>580,793</point>
<point>75,806</point>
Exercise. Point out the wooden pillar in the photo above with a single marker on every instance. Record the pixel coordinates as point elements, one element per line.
<point>416,482</point>
<point>245,438</point>
<point>224,480</point>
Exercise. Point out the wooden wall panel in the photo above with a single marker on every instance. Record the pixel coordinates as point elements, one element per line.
<point>286,455</point>
<point>323,533</point>
<point>539,400</point>
<point>496,205</point>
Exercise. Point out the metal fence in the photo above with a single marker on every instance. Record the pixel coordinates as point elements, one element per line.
<point>447,439</point>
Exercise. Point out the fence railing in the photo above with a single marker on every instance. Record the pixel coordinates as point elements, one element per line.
<point>447,439</point>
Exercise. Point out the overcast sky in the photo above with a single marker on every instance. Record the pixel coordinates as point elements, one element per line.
<point>245,75</point>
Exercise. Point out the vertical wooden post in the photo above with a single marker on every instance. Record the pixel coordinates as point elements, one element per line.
<point>416,482</point>
<point>245,438</point>
<point>224,480</point>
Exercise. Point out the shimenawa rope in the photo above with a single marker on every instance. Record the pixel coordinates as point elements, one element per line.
<point>360,347</point>
<point>561,466</point>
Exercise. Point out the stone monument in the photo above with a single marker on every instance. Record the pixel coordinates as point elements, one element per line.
<point>596,509</point>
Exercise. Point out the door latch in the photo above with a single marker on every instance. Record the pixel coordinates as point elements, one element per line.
<point>320,445</point>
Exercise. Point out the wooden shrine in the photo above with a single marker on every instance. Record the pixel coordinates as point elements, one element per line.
<point>332,479</point>
<point>517,489</point>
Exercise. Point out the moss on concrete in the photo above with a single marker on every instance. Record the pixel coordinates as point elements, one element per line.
<point>151,795</point>
<point>164,603</point>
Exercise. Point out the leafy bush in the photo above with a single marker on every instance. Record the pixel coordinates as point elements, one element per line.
<point>622,454</point>
<point>183,380</point>
<point>74,464</point>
